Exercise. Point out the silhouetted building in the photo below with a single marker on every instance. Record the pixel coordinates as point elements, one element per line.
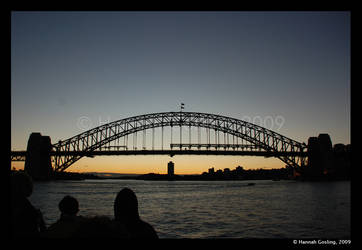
<point>326,152</point>
<point>37,161</point>
<point>170,169</point>
<point>326,162</point>
<point>319,154</point>
<point>342,160</point>
<point>211,171</point>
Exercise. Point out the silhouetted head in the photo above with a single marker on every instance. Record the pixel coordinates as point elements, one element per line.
<point>126,206</point>
<point>21,184</point>
<point>68,205</point>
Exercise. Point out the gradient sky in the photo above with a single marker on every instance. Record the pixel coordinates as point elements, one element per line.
<point>293,66</point>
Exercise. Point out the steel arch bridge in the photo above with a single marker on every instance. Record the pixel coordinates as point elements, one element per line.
<point>258,139</point>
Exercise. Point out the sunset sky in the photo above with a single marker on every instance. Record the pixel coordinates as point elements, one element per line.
<point>292,67</point>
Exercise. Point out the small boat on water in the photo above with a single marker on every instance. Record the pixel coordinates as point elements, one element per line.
<point>251,184</point>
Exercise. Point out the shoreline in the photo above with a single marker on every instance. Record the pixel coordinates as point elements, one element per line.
<point>247,175</point>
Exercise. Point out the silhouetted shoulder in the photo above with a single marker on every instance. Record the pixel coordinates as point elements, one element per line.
<point>97,227</point>
<point>24,219</point>
<point>151,232</point>
<point>65,227</point>
<point>143,230</point>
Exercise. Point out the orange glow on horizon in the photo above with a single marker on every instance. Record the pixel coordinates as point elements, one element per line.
<point>158,164</point>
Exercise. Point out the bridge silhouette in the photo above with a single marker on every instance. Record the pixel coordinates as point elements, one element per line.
<point>196,134</point>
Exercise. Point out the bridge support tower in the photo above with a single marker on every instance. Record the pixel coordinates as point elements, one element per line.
<point>320,155</point>
<point>38,162</point>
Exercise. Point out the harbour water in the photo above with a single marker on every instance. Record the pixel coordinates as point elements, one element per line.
<point>215,209</point>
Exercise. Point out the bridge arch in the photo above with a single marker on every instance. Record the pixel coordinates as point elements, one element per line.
<point>258,136</point>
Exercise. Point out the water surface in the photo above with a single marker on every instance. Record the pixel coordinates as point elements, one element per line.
<point>215,209</point>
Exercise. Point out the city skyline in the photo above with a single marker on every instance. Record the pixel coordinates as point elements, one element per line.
<point>288,71</point>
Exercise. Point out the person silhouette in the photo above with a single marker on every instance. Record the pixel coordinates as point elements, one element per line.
<point>127,217</point>
<point>68,222</point>
<point>26,220</point>
<point>69,207</point>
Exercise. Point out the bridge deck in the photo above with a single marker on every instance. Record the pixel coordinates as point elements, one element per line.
<point>168,152</point>
<point>213,146</point>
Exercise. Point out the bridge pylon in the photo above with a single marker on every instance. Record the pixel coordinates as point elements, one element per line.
<point>38,159</point>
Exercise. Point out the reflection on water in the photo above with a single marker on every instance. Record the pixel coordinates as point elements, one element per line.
<point>215,209</point>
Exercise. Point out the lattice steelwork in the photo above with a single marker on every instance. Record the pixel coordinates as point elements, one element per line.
<point>99,138</point>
